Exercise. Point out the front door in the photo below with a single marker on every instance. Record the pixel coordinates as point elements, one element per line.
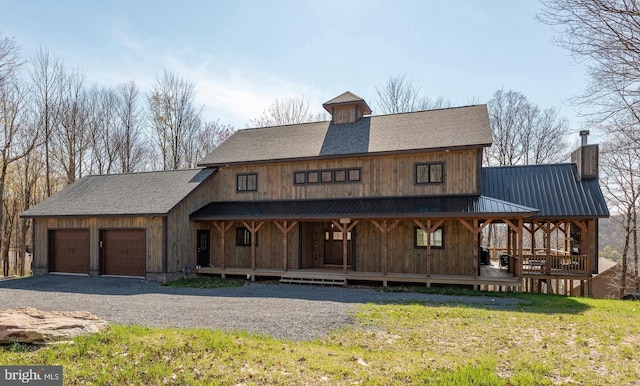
<point>333,246</point>
<point>203,247</point>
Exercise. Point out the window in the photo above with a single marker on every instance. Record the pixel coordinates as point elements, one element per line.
<point>327,176</point>
<point>437,238</point>
<point>354,174</point>
<point>299,178</point>
<point>312,177</point>
<point>243,237</point>
<point>429,173</point>
<point>247,182</point>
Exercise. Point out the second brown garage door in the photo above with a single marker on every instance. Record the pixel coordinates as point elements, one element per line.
<point>123,252</point>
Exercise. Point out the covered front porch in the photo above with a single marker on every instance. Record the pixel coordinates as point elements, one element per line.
<point>490,276</point>
<point>420,240</point>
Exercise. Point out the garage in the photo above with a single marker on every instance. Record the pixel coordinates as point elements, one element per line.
<point>69,250</point>
<point>123,252</point>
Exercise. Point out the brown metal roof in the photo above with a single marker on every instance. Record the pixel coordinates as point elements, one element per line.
<point>359,208</point>
<point>406,132</point>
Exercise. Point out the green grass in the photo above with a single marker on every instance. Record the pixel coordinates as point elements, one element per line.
<point>545,340</point>
<point>204,282</point>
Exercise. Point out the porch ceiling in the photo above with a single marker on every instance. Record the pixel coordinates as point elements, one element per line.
<point>360,208</point>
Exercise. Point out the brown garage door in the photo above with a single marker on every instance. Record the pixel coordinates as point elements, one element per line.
<point>123,252</point>
<point>69,250</point>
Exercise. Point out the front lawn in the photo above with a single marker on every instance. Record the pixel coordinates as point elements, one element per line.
<point>544,340</point>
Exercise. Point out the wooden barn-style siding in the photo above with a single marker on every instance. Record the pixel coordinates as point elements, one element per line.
<point>381,176</point>
<point>456,258</point>
<point>154,238</point>
<point>181,242</point>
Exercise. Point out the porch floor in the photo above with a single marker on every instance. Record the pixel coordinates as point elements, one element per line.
<point>490,275</point>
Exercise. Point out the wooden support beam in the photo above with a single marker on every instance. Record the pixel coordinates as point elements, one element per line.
<point>253,229</point>
<point>429,229</point>
<point>385,228</point>
<point>223,228</point>
<point>345,229</point>
<point>285,229</point>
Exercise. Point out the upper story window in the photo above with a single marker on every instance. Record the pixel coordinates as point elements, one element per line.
<point>247,182</point>
<point>437,238</point>
<point>327,176</point>
<point>430,173</point>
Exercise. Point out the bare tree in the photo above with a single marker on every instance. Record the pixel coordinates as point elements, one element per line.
<point>104,145</point>
<point>621,167</point>
<point>289,111</point>
<point>17,140</point>
<point>211,135</point>
<point>606,34</point>
<point>28,175</point>
<point>10,59</point>
<point>399,95</point>
<point>173,118</point>
<point>72,141</point>
<point>129,128</point>
<point>522,132</point>
<point>47,77</point>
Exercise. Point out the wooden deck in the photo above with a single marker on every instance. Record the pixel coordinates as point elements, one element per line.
<point>490,276</point>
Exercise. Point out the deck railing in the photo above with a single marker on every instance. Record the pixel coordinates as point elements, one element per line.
<point>555,265</point>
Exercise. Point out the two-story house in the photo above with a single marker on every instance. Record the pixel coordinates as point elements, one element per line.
<point>391,198</point>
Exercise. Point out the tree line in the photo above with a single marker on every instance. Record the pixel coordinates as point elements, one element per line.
<point>54,129</point>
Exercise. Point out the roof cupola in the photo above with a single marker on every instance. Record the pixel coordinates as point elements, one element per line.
<point>346,108</point>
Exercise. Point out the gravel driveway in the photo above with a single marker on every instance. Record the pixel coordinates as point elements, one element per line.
<point>283,311</point>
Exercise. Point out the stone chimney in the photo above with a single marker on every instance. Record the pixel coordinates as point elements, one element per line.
<point>586,158</point>
<point>346,108</point>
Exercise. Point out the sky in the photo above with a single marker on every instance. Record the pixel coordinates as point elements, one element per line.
<point>243,54</point>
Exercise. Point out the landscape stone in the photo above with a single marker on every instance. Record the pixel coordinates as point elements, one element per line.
<point>29,325</point>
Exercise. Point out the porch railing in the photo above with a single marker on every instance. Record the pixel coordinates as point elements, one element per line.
<point>555,264</point>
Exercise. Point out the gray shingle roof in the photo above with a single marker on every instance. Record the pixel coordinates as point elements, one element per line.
<point>149,193</point>
<point>358,208</point>
<point>348,98</point>
<point>554,189</point>
<point>423,130</point>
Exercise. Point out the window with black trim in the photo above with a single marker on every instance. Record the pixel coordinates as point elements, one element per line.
<point>354,174</point>
<point>420,238</point>
<point>247,182</point>
<point>429,173</point>
<point>312,177</point>
<point>327,176</point>
<point>243,237</point>
<point>299,178</point>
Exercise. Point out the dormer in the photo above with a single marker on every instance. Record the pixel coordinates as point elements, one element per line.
<point>346,108</point>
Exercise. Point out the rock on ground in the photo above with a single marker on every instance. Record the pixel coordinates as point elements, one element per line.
<point>29,325</point>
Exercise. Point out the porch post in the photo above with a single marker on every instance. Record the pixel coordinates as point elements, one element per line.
<point>429,229</point>
<point>253,229</point>
<point>385,229</point>
<point>547,235</point>
<point>345,229</point>
<point>520,248</point>
<point>285,240</point>
<point>223,230</point>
